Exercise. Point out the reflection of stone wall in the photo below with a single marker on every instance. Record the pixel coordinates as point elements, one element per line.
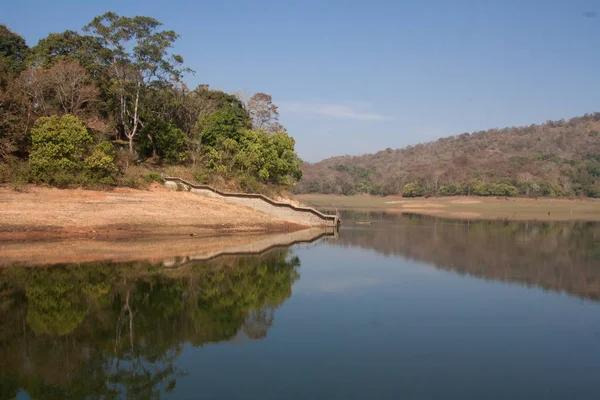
<point>554,256</point>
<point>259,246</point>
<point>287,212</point>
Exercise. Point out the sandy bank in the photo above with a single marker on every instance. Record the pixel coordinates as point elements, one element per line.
<point>43,213</point>
<point>543,209</point>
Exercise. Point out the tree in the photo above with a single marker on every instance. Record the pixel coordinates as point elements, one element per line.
<point>64,88</point>
<point>165,141</point>
<point>139,57</point>
<point>220,125</point>
<point>86,50</point>
<point>264,113</point>
<point>13,50</point>
<point>14,121</point>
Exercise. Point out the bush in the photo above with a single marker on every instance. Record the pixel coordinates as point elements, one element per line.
<point>525,187</point>
<point>59,145</point>
<point>201,177</point>
<point>63,153</point>
<point>450,190</point>
<point>249,184</point>
<point>129,181</point>
<point>481,188</point>
<point>412,189</point>
<point>502,189</point>
<point>14,171</point>
<point>100,164</point>
<point>594,190</point>
<point>549,189</point>
<point>150,177</point>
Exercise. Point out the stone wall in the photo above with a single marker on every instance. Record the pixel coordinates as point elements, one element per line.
<point>284,211</point>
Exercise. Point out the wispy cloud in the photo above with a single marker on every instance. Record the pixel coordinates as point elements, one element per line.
<point>330,110</point>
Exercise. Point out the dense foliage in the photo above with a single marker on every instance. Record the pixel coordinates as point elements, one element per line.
<point>559,158</point>
<point>63,152</point>
<point>87,108</point>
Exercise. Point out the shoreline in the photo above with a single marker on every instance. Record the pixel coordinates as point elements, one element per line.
<point>466,207</point>
<point>43,213</point>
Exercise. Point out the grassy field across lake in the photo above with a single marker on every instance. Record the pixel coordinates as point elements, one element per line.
<point>465,207</point>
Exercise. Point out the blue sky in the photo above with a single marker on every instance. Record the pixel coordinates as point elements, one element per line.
<point>358,76</point>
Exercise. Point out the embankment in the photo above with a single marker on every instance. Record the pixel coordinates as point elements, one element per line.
<point>43,213</point>
<point>283,211</point>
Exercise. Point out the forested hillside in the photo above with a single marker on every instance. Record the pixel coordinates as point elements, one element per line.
<point>109,106</point>
<point>558,158</point>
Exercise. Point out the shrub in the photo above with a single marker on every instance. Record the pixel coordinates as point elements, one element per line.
<point>63,153</point>
<point>150,177</point>
<point>503,189</point>
<point>201,177</point>
<point>549,189</point>
<point>450,190</point>
<point>594,190</point>
<point>100,164</point>
<point>481,188</point>
<point>129,181</point>
<point>249,184</point>
<point>412,189</point>
<point>525,187</point>
<point>59,145</point>
<point>15,171</point>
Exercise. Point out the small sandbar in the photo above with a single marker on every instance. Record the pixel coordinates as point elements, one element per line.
<point>465,201</point>
<point>423,205</point>
<point>465,215</point>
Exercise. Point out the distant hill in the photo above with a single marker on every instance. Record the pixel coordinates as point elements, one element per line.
<point>557,158</point>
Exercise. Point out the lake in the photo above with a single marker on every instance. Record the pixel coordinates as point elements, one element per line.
<point>394,306</point>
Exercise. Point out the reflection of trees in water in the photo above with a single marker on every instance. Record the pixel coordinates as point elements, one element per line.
<point>104,329</point>
<point>560,256</point>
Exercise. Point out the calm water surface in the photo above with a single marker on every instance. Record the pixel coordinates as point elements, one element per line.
<point>406,307</point>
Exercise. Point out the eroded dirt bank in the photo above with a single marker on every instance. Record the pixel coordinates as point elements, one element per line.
<point>38,213</point>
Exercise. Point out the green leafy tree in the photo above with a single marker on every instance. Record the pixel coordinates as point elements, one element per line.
<point>220,125</point>
<point>13,50</point>
<point>209,101</point>
<point>165,141</point>
<point>88,51</point>
<point>413,189</point>
<point>140,56</point>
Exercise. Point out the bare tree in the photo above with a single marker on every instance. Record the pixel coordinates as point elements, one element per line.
<point>73,90</point>
<point>263,112</point>
<point>65,88</point>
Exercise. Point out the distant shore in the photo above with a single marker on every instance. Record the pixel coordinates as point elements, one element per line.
<point>467,207</point>
<point>40,213</point>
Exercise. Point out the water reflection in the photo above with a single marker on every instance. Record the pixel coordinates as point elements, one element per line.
<point>110,330</point>
<point>375,324</point>
<point>559,256</point>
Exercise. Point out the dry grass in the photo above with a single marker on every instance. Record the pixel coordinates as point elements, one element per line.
<point>466,207</point>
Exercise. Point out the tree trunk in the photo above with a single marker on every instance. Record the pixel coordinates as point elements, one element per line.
<point>131,145</point>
